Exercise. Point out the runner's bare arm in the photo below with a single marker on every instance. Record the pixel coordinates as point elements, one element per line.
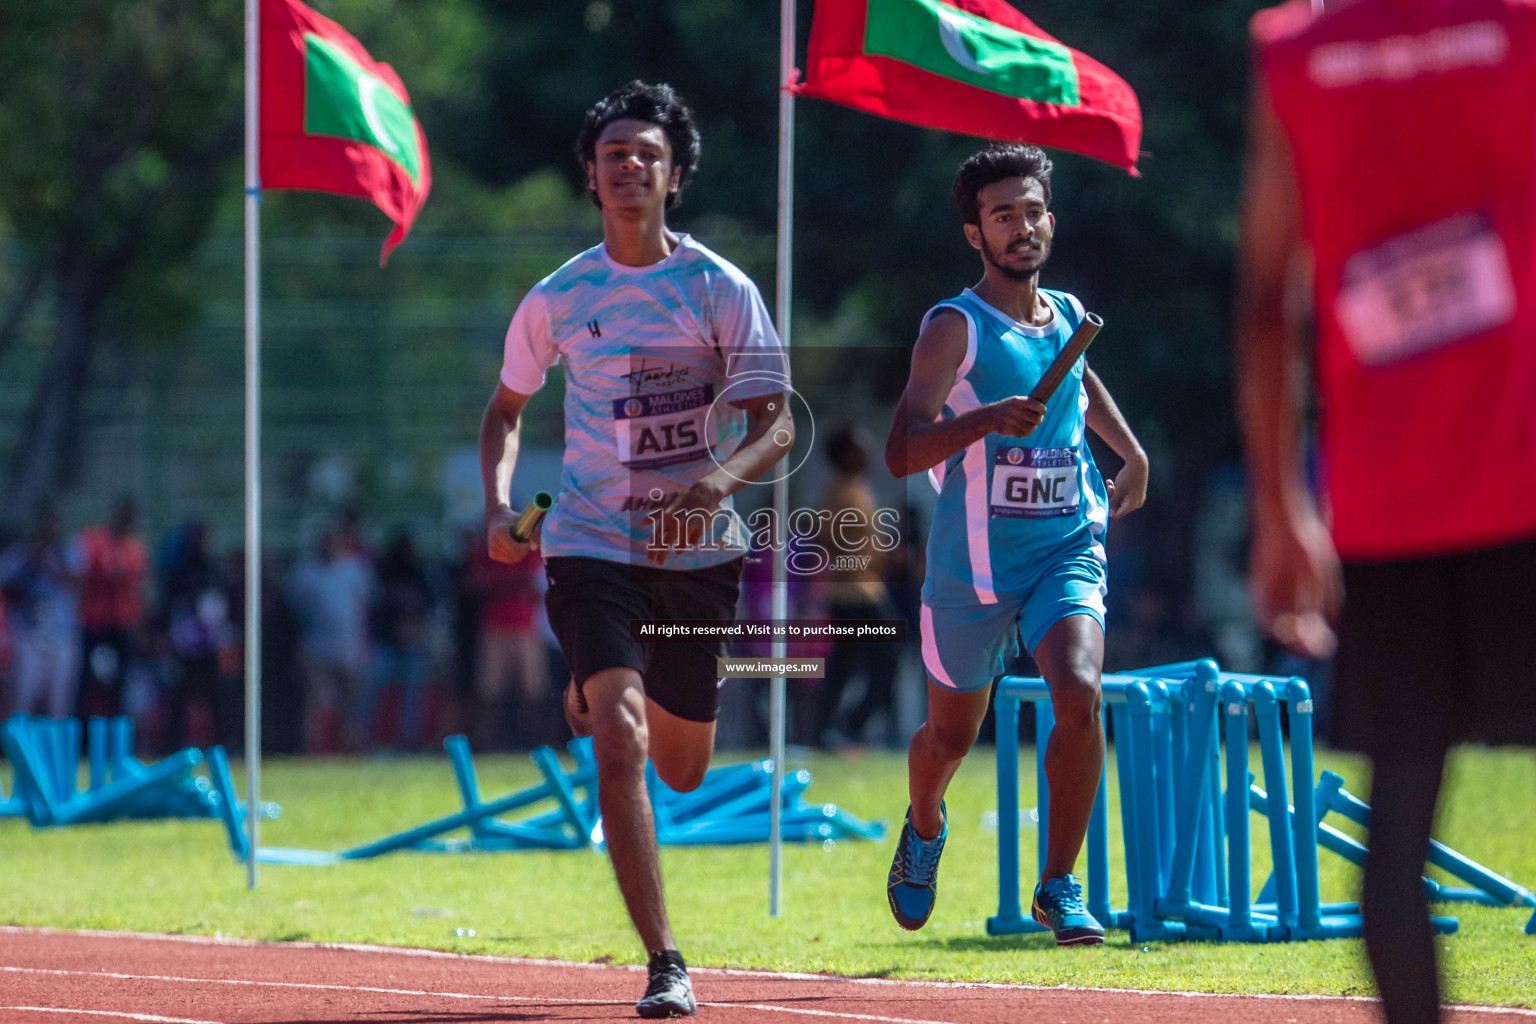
<point>770,435</point>
<point>1295,573</point>
<point>1267,351</point>
<point>500,429</point>
<point>919,439</point>
<point>1128,490</point>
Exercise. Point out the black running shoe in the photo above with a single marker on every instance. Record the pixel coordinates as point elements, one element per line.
<point>669,993</point>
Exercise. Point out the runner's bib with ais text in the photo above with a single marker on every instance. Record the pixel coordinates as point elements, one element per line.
<point>662,429</point>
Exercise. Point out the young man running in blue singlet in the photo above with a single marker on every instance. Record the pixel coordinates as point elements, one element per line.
<point>662,424</point>
<point>1017,544</point>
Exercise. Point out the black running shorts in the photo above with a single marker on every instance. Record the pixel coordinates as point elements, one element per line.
<point>591,602</point>
<point>1437,650</point>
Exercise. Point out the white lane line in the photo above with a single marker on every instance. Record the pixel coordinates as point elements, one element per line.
<point>819,1013</point>
<point>120,1015</point>
<point>311,986</point>
<point>120,976</point>
<point>439,954</point>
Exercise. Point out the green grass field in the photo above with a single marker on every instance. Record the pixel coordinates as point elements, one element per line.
<point>179,877</point>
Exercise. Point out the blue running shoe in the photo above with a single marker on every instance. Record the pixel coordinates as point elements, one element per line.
<point>914,881</point>
<point>1058,905</point>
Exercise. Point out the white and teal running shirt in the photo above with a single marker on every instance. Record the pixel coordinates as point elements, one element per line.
<point>1011,508</point>
<point>653,357</point>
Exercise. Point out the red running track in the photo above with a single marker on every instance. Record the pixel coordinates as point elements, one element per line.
<point>49,977</point>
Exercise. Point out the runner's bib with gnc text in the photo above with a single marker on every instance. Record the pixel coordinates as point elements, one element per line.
<point>1034,483</point>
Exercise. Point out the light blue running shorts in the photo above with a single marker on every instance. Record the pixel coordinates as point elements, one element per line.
<point>964,646</point>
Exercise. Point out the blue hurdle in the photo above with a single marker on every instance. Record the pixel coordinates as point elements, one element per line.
<point>1176,819</point>
<point>46,753</point>
<point>1009,918</point>
<point>45,756</point>
<point>731,805</point>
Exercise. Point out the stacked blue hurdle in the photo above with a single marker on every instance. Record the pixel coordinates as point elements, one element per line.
<point>1172,724</point>
<point>730,806</point>
<point>45,756</point>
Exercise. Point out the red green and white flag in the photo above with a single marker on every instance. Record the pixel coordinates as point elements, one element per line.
<point>333,119</point>
<point>978,67</point>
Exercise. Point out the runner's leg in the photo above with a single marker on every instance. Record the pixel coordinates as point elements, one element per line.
<point>621,738</point>
<point>1071,658</point>
<point>680,749</point>
<point>938,747</point>
<point>1398,938</point>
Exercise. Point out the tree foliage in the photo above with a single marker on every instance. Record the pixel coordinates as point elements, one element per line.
<point>119,152</point>
<point>118,123</point>
<point>875,224</point>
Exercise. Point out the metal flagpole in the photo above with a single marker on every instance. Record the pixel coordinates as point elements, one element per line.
<point>778,687</point>
<point>252,434</point>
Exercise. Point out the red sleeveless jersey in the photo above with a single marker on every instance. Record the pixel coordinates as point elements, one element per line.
<point>1413,129</point>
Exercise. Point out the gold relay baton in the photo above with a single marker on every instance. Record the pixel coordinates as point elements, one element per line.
<point>1067,358</point>
<point>522,530</point>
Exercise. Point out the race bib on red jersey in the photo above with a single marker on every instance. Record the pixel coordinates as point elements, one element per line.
<point>1425,289</point>
<point>1034,483</point>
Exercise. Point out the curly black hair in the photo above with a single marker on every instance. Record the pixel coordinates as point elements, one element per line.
<point>997,162</point>
<point>660,105</point>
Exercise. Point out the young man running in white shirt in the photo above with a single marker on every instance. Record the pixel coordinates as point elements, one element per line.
<point>662,425</point>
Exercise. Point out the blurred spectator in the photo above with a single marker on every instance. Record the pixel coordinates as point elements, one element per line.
<point>40,576</point>
<point>1220,584</point>
<point>805,598</point>
<point>349,536</point>
<point>7,639</point>
<point>329,595</point>
<point>403,602</point>
<point>150,684</point>
<point>466,620</point>
<point>197,620</point>
<point>282,696</point>
<point>282,680</point>
<point>743,715</point>
<point>849,536</point>
<point>111,608</point>
<point>512,677</point>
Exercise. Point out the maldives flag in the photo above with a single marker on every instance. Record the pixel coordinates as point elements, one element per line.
<point>972,66</point>
<point>333,119</point>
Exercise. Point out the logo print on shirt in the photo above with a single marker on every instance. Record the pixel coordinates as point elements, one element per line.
<point>597,332</point>
<point>648,376</point>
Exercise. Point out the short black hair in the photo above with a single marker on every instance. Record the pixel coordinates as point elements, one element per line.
<point>658,104</point>
<point>997,162</point>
